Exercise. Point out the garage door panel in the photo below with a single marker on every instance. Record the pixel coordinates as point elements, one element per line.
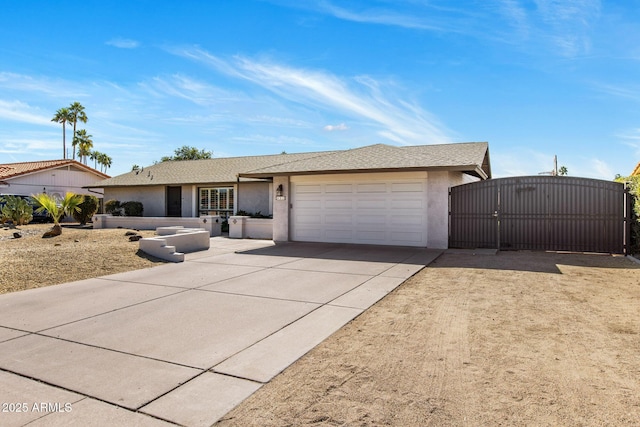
<point>372,188</point>
<point>338,188</point>
<point>406,238</point>
<point>338,203</point>
<point>309,204</point>
<point>308,188</point>
<point>401,204</point>
<point>369,203</point>
<point>408,187</point>
<point>345,219</point>
<point>408,220</point>
<point>373,219</point>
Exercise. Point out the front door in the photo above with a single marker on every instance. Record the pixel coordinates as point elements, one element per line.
<point>174,201</point>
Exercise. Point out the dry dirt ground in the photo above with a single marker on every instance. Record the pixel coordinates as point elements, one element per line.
<point>519,338</point>
<point>79,253</point>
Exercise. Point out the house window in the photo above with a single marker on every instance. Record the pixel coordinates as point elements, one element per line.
<point>216,201</point>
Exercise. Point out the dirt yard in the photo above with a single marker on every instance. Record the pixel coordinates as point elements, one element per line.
<point>79,253</point>
<point>519,338</point>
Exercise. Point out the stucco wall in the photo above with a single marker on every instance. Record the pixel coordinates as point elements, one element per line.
<point>152,198</point>
<point>254,197</point>
<point>281,211</point>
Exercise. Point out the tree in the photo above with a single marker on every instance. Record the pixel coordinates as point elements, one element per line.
<point>563,171</point>
<point>86,209</point>
<point>57,208</point>
<point>16,209</point>
<point>84,143</point>
<point>187,153</point>
<point>633,184</point>
<point>76,113</point>
<point>105,161</point>
<point>63,115</point>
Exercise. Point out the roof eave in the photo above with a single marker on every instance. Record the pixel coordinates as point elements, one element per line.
<point>472,169</point>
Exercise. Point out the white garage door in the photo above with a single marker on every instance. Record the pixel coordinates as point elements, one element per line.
<point>358,209</point>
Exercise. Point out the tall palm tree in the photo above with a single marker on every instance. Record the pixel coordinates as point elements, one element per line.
<point>95,156</point>
<point>63,116</point>
<point>85,144</point>
<point>76,113</point>
<point>106,162</point>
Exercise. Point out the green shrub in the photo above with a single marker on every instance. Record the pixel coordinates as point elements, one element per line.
<point>132,208</point>
<point>88,207</point>
<point>112,207</point>
<point>16,209</point>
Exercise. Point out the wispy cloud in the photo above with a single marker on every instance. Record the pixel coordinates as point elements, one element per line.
<point>54,88</point>
<point>395,117</point>
<point>332,128</point>
<point>21,112</point>
<point>123,43</point>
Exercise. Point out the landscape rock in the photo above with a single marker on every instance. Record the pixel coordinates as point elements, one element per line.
<point>56,230</point>
<point>135,238</point>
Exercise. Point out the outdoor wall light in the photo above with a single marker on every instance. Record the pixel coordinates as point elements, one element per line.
<point>280,193</point>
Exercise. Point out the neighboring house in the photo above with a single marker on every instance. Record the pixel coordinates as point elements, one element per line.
<point>636,171</point>
<point>378,194</point>
<point>55,177</point>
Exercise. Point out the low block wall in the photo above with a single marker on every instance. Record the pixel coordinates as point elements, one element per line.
<point>211,223</point>
<point>244,227</point>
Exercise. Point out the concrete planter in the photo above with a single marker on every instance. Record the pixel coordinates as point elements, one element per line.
<point>244,227</point>
<point>211,223</point>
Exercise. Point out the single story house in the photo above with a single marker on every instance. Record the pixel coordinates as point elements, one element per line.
<point>55,177</point>
<point>377,194</point>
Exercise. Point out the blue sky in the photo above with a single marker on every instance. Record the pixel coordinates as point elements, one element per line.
<point>534,78</point>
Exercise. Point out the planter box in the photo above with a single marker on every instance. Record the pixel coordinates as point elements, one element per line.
<point>211,223</point>
<point>173,242</point>
<point>244,227</point>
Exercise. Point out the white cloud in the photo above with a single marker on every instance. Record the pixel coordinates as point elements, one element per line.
<point>54,88</point>
<point>362,97</point>
<point>123,43</point>
<point>21,112</point>
<point>331,128</point>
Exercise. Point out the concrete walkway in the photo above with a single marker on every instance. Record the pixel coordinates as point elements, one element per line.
<point>183,343</point>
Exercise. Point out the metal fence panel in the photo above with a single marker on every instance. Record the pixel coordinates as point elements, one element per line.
<point>539,213</point>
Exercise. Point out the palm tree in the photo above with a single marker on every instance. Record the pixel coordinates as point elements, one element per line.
<point>95,156</point>
<point>63,116</point>
<point>76,113</point>
<point>85,144</point>
<point>106,162</point>
<point>57,208</point>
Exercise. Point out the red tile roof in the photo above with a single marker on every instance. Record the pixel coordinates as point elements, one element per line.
<point>11,170</point>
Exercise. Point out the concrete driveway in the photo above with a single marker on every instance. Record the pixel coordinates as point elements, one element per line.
<point>183,343</point>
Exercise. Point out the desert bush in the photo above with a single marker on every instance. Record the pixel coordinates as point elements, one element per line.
<point>113,207</point>
<point>88,207</point>
<point>132,208</point>
<point>16,209</point>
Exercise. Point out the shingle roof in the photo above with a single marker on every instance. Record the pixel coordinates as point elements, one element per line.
<point>12,170</point>
<point>217,170</point>
<point>469,157</point>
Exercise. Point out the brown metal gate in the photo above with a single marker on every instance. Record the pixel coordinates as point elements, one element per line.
<point>539,213</point>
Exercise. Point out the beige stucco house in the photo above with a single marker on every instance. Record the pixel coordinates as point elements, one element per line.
<point>378,194</point>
